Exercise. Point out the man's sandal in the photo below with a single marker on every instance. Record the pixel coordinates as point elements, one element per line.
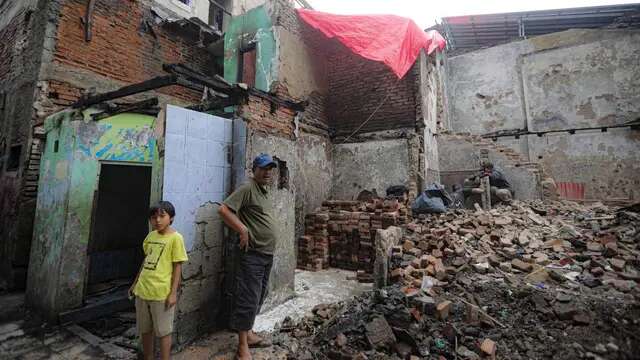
<point>263,343</point>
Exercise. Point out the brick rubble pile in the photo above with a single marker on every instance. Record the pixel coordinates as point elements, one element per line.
<point>553,280</point>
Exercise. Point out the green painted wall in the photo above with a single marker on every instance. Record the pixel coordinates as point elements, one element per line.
<point>254,24</point>
<point>68,181</point>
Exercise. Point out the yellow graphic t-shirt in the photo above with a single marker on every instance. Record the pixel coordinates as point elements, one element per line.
<point>160,251</point>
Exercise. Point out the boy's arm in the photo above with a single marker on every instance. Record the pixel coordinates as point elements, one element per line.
<point>176,275</point>
<point>232,221</point>
<point>135,281</point>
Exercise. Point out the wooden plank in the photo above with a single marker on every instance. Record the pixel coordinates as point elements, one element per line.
<point>110,304</point>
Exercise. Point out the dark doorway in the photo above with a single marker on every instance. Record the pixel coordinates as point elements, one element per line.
<point>119,225</point>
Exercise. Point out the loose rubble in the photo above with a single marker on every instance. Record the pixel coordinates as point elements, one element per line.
<point>554,280</point>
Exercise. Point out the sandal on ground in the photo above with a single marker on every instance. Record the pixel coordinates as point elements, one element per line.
<point>263,343</point>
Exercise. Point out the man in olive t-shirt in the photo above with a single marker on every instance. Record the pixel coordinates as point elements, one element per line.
<point>249,212</point>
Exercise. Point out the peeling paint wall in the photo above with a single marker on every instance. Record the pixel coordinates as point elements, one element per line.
<point>565,80</point>
<point>68,180</point>
<point>253,26</point>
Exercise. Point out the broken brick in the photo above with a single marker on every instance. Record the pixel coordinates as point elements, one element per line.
<point>488,347</point>
<point>610,249</point>
<point>521,265</point>
<point>617,264</point>
<point>408,245</point>
<point>594,246</point>
<point>442,310</point>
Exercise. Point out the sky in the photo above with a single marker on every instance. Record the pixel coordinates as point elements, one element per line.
<point>425,12</point>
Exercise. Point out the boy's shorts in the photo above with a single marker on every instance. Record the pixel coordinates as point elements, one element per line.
<point>152,316</point>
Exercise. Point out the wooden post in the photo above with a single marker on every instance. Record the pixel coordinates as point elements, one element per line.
<point>484,181</point>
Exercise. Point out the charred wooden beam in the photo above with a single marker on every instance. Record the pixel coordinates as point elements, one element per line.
<point>151,84</point>
<point>216,104</point>
<point>275,100</point>
<point>140,106</point>
<point>216,82</point>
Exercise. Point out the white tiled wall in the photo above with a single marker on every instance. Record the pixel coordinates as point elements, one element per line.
<point>196,169</point>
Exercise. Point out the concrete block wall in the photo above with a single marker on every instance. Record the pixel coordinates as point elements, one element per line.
<point>559,81</point>
<point>201,296</point>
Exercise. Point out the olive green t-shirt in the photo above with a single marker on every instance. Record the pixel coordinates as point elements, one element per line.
<point>252,204</point>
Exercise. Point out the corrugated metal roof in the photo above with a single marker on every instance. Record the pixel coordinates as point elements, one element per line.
<point>476,31</point>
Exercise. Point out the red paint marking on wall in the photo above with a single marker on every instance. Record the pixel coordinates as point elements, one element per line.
<point>571,191</point>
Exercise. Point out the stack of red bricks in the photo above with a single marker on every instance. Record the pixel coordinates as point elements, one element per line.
<point>313,247</point>
<point>342,234</point>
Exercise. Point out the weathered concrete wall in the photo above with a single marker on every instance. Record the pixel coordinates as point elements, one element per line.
<point>484,89</point>
<point>68,181</point>
<point>582,79</point>
<point>302,69</point>
<point>566,80</point>
<point>375,164</point>
<point>607,163</point>
<point>314,175</point>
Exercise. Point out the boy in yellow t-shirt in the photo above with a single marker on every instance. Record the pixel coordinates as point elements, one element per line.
<point>156,286</point>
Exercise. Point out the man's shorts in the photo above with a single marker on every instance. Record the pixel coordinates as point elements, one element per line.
<point>152,316</point>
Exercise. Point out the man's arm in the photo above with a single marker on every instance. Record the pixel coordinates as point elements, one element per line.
<point>176,275</point>
<point>232,221</point>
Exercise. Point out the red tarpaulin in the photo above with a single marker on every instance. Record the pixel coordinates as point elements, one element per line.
<point>393,40</point>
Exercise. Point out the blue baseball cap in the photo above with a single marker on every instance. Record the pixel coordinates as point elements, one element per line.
<point>263,161</point>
